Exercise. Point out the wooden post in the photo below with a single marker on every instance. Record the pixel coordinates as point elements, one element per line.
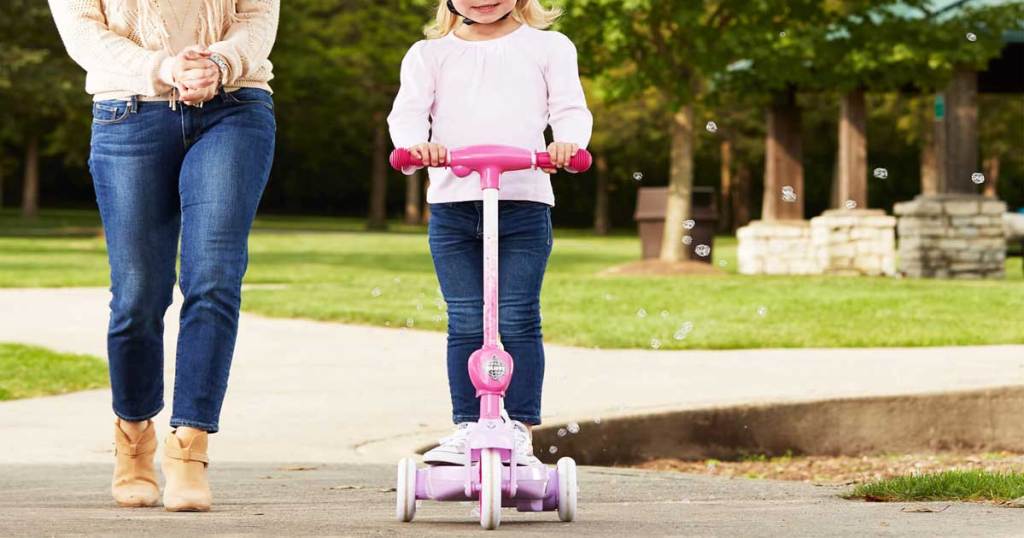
<point>930,170</point>
<point>962,132</point>
<point>602,222</point>
<point>783,159</point>
<point>992,176</point>
<point>680,187</point>
<point>853,150</point>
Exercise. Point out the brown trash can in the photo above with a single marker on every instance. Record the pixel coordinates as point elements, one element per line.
<point>650,219</point>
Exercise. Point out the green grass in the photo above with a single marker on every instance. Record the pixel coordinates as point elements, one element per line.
<point>328,269</point>
<point>28,372</point>
<point>971,485</point>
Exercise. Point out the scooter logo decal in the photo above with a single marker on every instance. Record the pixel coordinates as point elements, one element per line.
<point>495,368</point>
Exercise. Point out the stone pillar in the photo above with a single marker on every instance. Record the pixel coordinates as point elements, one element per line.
<point>855,242</point>
<point>952,236</point>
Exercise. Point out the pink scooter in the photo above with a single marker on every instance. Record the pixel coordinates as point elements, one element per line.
<point>491,441</point>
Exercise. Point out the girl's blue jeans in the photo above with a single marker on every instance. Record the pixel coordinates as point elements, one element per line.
<point>524,245</point>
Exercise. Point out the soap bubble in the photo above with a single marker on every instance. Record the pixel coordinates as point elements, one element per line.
<point>410,322</point>
<point>641,313</point>
<point>702,250</point>
<point>655,343</point>
<point>978,178</point>
<point>438,318</point>
<point>376,292</point>
<point>597,420</point>
<point>689,224</point>
<point>850,204</point>
<point>782,34</point>
<point>881,173</point>
<point>638,176</point>
<point>712,127</point>
<point>762,311</point>
<point>573,428</point>
<point>683,331</point>
<point>664,313</point>
<point>722,263</point>
<point>972,37</point>
<point>562,432</point>
<point>788,194</point>
<point>687,240</point>
<point>553,449</point>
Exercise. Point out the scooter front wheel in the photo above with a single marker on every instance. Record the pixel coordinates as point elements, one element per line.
<point>490,492</point>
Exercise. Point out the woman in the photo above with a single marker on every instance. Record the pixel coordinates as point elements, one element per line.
<point>182,144</point>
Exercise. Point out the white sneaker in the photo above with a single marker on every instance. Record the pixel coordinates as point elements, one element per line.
<point>524,445</point>
<point>452,450</point>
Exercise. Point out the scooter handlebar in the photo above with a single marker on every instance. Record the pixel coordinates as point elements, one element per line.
<point>403,159</point>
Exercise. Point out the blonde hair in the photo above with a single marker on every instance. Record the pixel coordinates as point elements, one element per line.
<point>143,16</point>
<point>528,12</point>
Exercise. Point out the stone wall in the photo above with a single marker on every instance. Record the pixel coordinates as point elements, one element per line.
<point>952,236</point>
<point>776,248</point>
<point>855,242</point>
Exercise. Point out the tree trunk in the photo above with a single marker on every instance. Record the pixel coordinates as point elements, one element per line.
<point>992,176</point>
<point>414,198</point>
<point>379,181</point>
<point>725,175</point>
<point>680,188</point>
<point>426,205</point>
<point>962,132</point>
<point>741,198</point>
<point>602,224</point>
<point>30,186</point>
<point>783,159</point>
<point>853,150</point>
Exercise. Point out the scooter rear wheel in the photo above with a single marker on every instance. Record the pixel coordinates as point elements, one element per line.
<point>567,489</point>
<point>405,491</point>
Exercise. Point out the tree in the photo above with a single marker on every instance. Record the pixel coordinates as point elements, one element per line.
<point>672,45</point>
<point>46,107</point>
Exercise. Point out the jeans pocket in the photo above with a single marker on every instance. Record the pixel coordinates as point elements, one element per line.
<point>110,112</point>
<point>249,96</point>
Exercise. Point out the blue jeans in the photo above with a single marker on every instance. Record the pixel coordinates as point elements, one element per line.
<point>524,245</point>
<point>194,174</point>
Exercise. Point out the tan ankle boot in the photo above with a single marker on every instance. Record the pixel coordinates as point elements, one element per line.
<point>134,484</point>
<point>186,488</point>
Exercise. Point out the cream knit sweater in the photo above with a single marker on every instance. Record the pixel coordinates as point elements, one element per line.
<point>122,43</point>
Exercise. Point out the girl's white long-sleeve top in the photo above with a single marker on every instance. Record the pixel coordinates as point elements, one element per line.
<point>501,91</point>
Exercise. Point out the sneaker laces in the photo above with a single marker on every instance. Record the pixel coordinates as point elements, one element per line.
<point>459,437</point>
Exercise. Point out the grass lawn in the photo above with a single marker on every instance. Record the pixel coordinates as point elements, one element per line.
<point>28,371</point>
<point>970,485</point>
<point>330,269</point>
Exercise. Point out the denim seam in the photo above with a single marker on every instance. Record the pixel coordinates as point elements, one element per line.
<point>139,418</point>
<point>177,422</point>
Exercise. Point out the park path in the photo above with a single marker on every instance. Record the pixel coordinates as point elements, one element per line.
<point>304,391</point>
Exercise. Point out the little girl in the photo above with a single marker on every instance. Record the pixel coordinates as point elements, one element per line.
<point>490,74</point>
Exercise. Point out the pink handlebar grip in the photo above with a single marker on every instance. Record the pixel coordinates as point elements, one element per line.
<point>579,163</point>
<point>403,160</point>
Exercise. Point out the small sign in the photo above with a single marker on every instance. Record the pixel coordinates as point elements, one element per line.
<point>940,106</point>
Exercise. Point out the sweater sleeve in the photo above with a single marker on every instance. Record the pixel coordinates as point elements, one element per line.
<point>568,115</point>
<point>409,120</point>
<point>248,42</point>
<point>92,45</point>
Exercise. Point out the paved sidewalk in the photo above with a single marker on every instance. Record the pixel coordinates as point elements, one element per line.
<point>351,500</point>
<point>331,393</point>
